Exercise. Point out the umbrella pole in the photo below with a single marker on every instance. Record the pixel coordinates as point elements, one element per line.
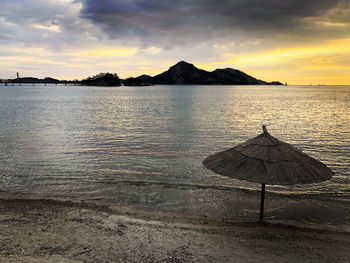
<point>262,202</point>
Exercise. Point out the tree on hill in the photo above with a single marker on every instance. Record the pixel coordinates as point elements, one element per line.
<point>102,79</point>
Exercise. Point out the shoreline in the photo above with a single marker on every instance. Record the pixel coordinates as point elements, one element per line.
<point>49,230</point>
<point>164,215</point>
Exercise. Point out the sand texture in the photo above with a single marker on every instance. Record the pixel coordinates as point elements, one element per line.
<point>60,231</point>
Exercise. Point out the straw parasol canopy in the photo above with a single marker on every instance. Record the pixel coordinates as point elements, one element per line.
<point>267,160</point>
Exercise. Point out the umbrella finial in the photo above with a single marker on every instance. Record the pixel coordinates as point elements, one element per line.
<point>264,129</point>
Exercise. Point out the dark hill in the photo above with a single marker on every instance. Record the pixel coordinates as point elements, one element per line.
<point>33,80</point>
<point>184,73</point>
<point>231,76</point>
<point>144,77</point>
<point>102,79</point>
<point>139,81</point>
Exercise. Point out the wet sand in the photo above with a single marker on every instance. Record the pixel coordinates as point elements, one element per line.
<point>38,230</point>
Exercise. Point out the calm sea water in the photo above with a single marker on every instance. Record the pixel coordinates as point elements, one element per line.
<point>143,146</point>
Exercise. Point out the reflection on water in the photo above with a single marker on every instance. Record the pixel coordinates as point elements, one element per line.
<point>108,143</point>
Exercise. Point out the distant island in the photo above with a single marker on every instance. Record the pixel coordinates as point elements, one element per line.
<point>32,80</point>
<point>101,79</point>
<point>182,73</point>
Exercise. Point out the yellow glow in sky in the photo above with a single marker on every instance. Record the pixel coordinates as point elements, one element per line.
<point>290,55</point>
<point>327,63</point>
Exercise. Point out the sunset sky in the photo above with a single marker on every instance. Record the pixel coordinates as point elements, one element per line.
<point>294,41</point>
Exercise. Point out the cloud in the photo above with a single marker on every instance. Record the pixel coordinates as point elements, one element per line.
<point>168,23</point>
<point>53,24</point>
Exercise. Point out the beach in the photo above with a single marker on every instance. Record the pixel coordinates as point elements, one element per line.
<point>44,230</point>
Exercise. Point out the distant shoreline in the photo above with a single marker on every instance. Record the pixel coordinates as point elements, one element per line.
<point>182,73</point>
<point>208,85</point>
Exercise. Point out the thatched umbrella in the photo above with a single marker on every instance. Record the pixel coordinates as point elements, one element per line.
<point>267,160</point>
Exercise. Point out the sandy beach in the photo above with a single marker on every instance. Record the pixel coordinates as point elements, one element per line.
<point>38,230</point>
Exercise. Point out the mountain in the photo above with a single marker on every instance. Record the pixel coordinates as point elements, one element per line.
<point>184,73</point>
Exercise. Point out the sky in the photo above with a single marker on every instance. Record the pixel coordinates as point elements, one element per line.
<point>294,41</point>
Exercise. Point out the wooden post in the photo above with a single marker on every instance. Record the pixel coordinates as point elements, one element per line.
<point>262,202</point>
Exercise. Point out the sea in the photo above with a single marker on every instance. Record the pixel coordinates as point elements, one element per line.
<point>143,147</point>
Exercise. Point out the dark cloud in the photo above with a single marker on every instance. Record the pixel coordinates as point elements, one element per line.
<point>170,21</point>
<point>340,13</point>
<point>53,24</point>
